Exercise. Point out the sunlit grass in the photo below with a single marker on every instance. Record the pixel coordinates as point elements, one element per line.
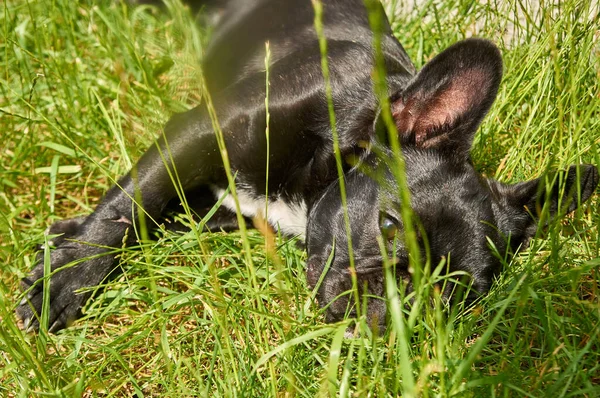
<point>84,89</point>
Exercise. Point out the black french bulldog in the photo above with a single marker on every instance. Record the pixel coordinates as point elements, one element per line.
<point>436,113</point>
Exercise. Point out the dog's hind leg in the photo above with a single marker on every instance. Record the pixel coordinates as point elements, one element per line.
<point>186,156</point>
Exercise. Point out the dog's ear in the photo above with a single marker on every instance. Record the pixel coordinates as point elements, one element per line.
<point>444,104</point>
<point>522,204</point>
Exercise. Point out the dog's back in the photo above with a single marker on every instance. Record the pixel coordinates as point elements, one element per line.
<point>236,49</point>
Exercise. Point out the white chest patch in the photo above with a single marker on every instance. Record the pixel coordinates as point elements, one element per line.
<point>287,217</point>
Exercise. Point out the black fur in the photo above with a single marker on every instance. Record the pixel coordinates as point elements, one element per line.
<point>436,111</point>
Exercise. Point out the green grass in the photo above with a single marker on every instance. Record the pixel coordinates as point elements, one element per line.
<point>84,89</point>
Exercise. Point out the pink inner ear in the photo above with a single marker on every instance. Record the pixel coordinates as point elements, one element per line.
<point>423,113</point>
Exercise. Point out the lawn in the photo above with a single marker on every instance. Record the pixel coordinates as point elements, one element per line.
<point>84,89</point>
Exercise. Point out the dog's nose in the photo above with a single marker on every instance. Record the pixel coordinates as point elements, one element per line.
<point>312,274</point>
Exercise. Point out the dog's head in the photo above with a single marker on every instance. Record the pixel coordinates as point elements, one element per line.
<point>456,211</point>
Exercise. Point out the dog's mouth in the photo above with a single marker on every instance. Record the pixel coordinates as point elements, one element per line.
<point>343,285</point>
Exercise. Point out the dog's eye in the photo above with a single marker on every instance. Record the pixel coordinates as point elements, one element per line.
<point>388,227</point>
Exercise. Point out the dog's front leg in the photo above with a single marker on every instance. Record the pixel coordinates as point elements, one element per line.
<point>186,156</point>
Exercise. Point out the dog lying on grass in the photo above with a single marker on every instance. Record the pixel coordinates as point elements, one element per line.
<point>433,114</point>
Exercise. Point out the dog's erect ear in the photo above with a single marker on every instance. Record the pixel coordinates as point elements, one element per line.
<point>560,193</point>
<point>444,104</point>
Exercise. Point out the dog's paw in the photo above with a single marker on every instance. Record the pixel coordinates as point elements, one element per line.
<point>73,266</point>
